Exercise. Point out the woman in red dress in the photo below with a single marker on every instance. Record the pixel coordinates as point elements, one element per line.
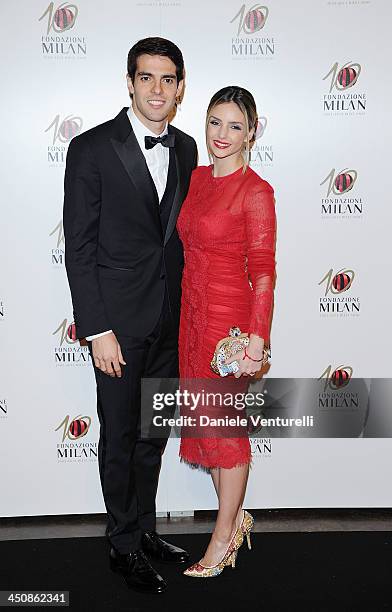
<point>227,225</point>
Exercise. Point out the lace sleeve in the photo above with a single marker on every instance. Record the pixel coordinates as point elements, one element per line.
<point>260,220</point>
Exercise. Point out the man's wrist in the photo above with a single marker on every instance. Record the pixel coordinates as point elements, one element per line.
<point>94,336</point>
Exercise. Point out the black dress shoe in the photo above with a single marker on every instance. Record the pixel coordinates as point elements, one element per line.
<point>137,571</point>
<point>154,546</point>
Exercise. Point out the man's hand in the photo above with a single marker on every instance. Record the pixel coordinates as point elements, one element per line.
<point>107,355</point>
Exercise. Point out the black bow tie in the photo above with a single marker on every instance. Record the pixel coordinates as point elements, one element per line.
<point>166,141</point>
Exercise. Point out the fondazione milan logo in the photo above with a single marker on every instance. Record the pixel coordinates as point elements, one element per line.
<point>62,131</point>
<point>336,378</point>
<point>344,77</point>
<point>60,41</point>
<point>69,351</point>
<point>74,428</point>
<point>72,448</point>
<point>252,20</point>
<point>66,129</point>
<point>341,182</point>
<point>339,282</point>
<point>57,254</point>
<point>337,203</point>
<point>61,19</point>
<point>341,392</point>
<point>340,98</point>
<point>67,332</point>
<point>247,42</point>
<point>335,301</point>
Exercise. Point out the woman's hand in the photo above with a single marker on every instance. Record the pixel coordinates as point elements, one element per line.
<point>247,366</point>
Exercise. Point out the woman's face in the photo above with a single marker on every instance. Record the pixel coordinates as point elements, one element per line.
<point>226,130</point>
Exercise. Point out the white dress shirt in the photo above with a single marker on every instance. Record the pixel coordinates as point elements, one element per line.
<point>157,160</point>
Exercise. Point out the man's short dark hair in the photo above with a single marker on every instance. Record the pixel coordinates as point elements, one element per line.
<point>156,46</point>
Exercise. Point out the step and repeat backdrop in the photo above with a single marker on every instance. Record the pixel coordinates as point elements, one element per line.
<point>319,71</point>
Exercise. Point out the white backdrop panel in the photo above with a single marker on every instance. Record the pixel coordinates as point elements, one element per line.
<point>50,91</point>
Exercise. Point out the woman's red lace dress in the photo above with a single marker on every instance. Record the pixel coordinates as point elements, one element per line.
<point>227,226</point>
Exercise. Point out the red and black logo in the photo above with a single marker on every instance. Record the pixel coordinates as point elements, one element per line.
<point>344,77</point>
<point>347,77</point>
<point>255,19</point>
<point>64,18</point>
<point>61,19</point>
<point>341,377</point>
<point>76,428</point>
<point>339,282</point>
<point>344,182</point>
<point>65,130</point>
<point>342,281</point>
<point>79,427</point>
<point>70,128</point>
<point>251,21</point>
<point>340,183</point>
<point>71,332</point>
<point>337,378</point>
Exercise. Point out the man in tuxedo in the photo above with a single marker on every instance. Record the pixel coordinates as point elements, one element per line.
<point>125,181</point>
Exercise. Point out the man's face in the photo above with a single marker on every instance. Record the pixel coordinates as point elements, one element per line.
<point>154,89</point>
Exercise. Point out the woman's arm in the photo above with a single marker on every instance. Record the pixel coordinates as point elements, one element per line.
<point>260,224</point>
<point>260,221</point>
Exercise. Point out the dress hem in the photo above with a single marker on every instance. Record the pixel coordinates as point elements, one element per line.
<point>207,468</point>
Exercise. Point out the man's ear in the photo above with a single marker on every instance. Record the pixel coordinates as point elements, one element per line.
<point>130,86</point>
<point>180,88</point>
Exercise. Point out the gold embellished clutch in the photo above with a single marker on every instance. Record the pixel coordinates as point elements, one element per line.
<point>233,343</point>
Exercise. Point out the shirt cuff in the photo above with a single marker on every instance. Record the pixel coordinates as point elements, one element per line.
<point>98,335</point>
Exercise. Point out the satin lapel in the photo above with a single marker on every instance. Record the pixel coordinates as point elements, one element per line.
<point>135,165</point>
<point>180,189</point>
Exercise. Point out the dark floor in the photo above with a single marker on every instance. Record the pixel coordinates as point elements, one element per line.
<point>283,572</point>
<point>278,520</point>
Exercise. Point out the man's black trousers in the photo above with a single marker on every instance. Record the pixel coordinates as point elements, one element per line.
<point>128,465</point>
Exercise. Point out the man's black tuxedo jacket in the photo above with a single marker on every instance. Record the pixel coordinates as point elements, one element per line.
<point>117,255</point>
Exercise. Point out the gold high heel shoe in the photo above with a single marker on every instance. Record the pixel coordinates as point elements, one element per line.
<point>247,526</point>
<point>197,570</point>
